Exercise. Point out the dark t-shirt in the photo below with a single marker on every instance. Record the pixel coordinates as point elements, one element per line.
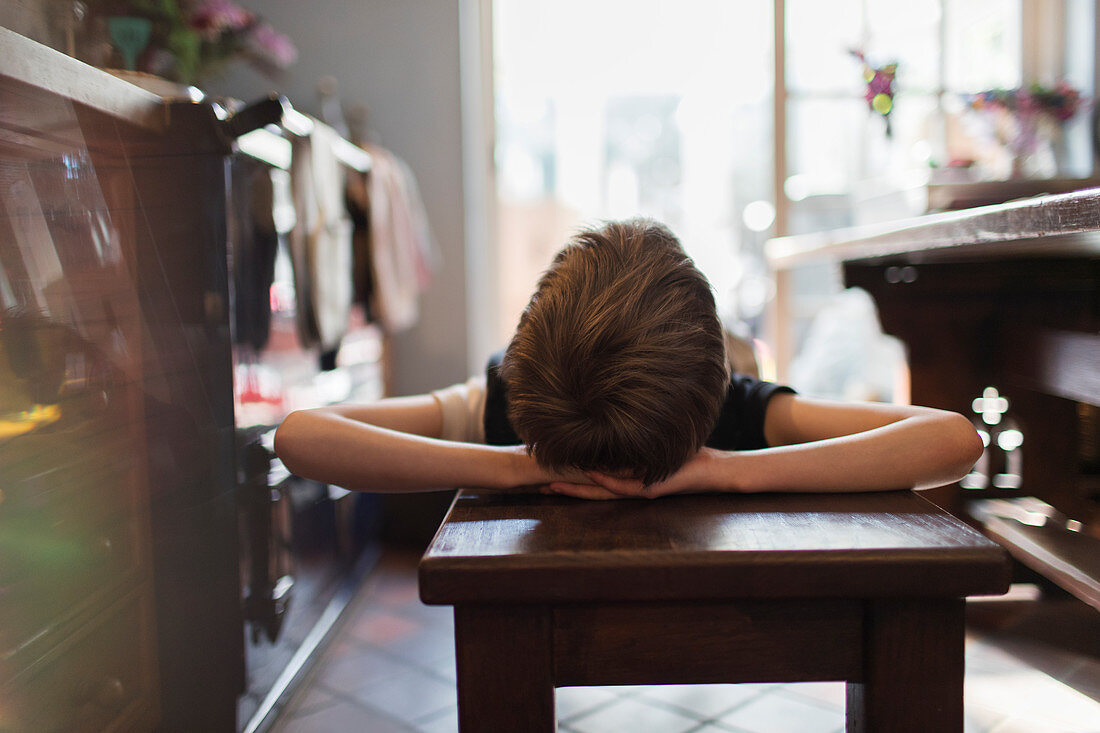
<point>740,424</point>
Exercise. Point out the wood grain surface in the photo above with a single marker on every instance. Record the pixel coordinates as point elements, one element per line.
<point>1044,225</point>
<point>708,642</point>
<point>505,666</point>
<point>25,61</point>
<point>534,548</point>
<point>913,669</point>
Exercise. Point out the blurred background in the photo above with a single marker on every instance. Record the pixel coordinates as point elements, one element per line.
<point>215,212</point>
<point>528,120</point>
<point>730,121</point>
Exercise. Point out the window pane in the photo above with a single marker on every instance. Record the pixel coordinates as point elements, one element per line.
<point>825,142</point>
<point>663,111</point>
<point>918,135</point>
<point>982,44</point>
<point>820,36</point>
<point>908,33</point>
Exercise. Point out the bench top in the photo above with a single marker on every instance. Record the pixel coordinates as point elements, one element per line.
<point>530,548</point>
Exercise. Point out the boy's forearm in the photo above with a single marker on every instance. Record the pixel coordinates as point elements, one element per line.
<point>916,453</point>
<point>363,457</point>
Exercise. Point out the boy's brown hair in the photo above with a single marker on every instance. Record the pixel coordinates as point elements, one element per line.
<point>618,363</point>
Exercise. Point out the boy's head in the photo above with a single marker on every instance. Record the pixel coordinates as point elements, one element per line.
<point>618,363</point>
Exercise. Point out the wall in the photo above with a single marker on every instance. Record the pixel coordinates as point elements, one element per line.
<point>35,19</point>
<point>401,59</point>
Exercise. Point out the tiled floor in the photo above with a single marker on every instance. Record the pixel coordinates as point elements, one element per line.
<point>390,668</point>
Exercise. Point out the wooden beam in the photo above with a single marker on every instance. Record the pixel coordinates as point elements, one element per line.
<point>32,64</point>
<point>710,642</point>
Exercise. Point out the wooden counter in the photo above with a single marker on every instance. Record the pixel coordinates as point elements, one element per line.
<point>1045,226</point>
<point>121,606</point>
<point>1004,298</point>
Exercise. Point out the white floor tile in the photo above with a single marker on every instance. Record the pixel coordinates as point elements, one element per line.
<point>772,713</point>
<point>631,715</point>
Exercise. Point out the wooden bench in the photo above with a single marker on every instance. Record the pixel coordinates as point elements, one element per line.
<point>864,588</point>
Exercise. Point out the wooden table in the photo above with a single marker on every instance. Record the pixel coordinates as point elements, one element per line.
<point>865,588</point>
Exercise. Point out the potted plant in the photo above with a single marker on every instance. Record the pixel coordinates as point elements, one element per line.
<point>189,41</point>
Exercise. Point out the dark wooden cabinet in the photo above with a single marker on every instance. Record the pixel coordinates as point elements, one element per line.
<point>976,325</point>
<point>139,539</point>
<point>119,594</point>
<point>999,309</point>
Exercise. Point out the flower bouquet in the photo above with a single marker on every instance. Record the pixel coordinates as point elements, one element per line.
<point>880,90</point>
<point>1025,120</point>
<point>188,41</point>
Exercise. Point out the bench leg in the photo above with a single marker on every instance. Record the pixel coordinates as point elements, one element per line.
<point>913,668</point>
<point>504,661</point>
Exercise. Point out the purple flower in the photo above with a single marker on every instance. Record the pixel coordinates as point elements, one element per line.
<point>271,46</point>
<point>213,18</point>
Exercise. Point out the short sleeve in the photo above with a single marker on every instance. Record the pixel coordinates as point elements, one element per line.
<point>463,405</point>
<point>740,425</point>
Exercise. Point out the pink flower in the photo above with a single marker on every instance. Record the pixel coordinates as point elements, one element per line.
<point>271,46</point>
<point>213,18</point>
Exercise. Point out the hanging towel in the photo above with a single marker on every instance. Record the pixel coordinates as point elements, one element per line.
<point>401,246</point>
<point>321,240</point>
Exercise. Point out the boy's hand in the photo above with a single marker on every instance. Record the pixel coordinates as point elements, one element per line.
<point>578,484</point>
<point>690,478</point>
<point>581,491</point>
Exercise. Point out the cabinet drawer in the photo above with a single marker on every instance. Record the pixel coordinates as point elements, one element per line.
<point>103,677</point>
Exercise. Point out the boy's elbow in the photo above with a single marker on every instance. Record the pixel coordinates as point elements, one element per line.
<point>288,438</point>
<point>963,444</point>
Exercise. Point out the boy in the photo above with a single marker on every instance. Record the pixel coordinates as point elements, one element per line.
<point>616,385</point>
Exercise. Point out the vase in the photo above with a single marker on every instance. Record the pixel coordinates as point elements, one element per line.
<point>130,35</point>
<point>1037,162</point>
<point>1032,146</point>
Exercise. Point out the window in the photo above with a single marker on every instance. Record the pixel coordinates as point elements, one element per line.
<point>839,158</point>
<point>604,110</point>
<point>655,109</point>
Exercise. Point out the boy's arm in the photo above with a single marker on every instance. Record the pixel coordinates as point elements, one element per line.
<point>821,446</point>
<point>836,446</point>
<point>393,446</point>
